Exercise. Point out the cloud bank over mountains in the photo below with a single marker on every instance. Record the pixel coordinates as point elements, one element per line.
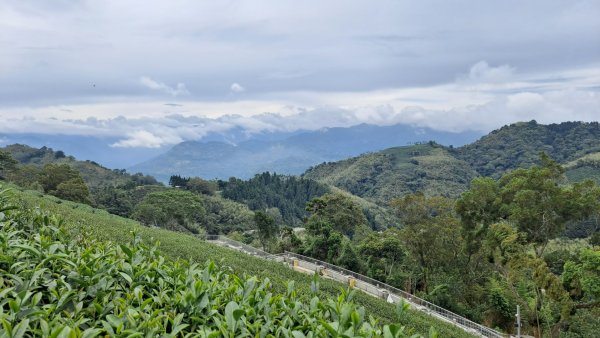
<point>153,73</point>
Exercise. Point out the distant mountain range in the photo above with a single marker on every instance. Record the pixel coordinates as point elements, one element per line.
<point>293,154</point>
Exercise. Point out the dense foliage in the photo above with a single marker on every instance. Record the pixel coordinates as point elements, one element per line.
<point>483,254</point>
<point>289,194</point>
<point>135,196</point>
<point>92,173</point>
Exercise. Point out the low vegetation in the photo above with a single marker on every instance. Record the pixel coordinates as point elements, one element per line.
<point>82,221</point>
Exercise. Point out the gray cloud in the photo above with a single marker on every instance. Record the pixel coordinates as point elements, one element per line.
<point>446,65</point>
<point>341,45</point>
<point>159,131</point>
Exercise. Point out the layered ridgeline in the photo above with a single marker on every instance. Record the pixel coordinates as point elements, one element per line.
<point>434,169</point>
<point>288,155</point>
<point>95,274</point>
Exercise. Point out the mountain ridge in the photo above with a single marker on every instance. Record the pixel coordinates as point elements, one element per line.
<point>394,172</point>
<point>291,155</point>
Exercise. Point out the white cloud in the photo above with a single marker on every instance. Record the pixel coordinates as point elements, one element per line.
<point>180,89</point>
<point>456,106</point>
<point>237,88</point>
<point>482,72</point>
<point>145,139</point>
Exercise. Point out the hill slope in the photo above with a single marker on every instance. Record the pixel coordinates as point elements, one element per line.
<point>85,288</point>
<point>437,170</point>
<point>518,145</point>
<point>394,172</point>
<point>84,220</point>
<point>92,173</point>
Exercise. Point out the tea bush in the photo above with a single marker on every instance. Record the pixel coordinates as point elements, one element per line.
<point>81,220</point>
<point>55,287</point>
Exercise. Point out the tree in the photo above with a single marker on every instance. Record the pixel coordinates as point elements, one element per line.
<point>540,206</point>
<point>266,228</point>
<point>288,240</point>
<point>478,207</point>
<point>62,181</point>
<point>339,211</point>
<point>430,233</point>
<point>533,199</point>
<point>322,241</point>
<point>178,181</point>
<point>7,164</point>
<point>384,252</point>
<point>54,174</point>
<point>200,186</point>
<point>74,190</point>
<point>348,258</point>
<point>173,209</point>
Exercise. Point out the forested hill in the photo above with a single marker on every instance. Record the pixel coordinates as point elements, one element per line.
<point>381,176</point>
<point>518,145</point>
<point>438,170</point>
<point>94,175</point>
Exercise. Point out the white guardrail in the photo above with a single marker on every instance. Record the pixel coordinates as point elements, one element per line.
<point>364,283</point>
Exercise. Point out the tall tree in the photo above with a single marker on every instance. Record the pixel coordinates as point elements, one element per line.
<point>339,211</point>
<point>430,233</point>
<point>7,163</point>
<point>173,209</point>
<point>266,228</point>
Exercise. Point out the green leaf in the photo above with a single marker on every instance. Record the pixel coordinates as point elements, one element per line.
<point>229,316</point>
<point>237,314</point>
<point>126,276</point>
<point>113,320</point>
<point>21,328</point>
<point>7,327</point>
<point>91,333</point>
<point>126,250</point>
<point>178,329</point>
<point>298,334</point>
<point>332,331</point>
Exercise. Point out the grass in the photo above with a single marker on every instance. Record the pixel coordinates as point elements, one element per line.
<point>84,220</point>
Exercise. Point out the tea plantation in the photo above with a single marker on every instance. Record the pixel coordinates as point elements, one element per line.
<point>82,274</point>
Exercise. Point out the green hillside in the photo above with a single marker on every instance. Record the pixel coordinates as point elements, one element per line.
<point>518,145</point>
<point>58,285</point>
<point>394,172</point>
<point>92,173</point>
<point>81,220</point>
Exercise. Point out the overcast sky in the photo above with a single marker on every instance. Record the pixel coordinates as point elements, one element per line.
<point>159,72</point>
